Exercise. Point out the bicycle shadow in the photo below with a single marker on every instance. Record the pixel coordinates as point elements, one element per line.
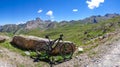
<point>47,60</point>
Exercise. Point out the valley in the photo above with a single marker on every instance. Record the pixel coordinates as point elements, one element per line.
<point>96,35</point>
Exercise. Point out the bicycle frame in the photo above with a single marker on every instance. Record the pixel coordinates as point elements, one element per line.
<point>52,43</point>
<point>58,49</point>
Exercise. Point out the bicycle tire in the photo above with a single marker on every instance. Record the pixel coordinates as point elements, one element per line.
<point>66,51</point>
<point>42,51</point>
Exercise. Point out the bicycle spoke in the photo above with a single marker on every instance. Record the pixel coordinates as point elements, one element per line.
<point>66,50</point>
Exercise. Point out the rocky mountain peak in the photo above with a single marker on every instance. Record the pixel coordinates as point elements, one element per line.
<point>38,19</point>
<point>98,18</point>
<point>111,15</point>
<point>34,24</point>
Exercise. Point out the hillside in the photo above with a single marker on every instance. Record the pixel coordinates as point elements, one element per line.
<point>78,32</point>
<point>48,24</point>
<point>93,37</point>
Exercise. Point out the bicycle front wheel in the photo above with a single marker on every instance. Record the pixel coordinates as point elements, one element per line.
<point>42,51</point>
<point>66,51</point>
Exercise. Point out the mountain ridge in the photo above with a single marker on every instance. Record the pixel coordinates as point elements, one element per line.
<point>47,24</point>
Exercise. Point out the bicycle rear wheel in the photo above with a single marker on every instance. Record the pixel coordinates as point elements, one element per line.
<point>66,51</point>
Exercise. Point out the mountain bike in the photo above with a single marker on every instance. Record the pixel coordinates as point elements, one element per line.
<point>63,49</point>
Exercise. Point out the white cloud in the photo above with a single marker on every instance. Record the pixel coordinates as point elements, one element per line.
<point>21,22</point>
<point>39,11</point>
<point>50,14</point>
<point>75,10</point>
<point>94,3</point>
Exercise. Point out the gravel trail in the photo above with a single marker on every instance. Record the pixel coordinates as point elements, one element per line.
<point>110,59</point>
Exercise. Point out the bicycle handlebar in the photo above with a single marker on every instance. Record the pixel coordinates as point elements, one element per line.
<point>52,42</point>
<point>61,35</point>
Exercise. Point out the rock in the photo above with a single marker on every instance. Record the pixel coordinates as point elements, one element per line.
<point>79,50</point>
<point>28,42</point>
<point>33,43</point>
<point>27,52</point>
<point>1,51</point>
<point>3,38</point>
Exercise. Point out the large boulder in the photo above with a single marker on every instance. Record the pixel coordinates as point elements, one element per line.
<point>33,43</point>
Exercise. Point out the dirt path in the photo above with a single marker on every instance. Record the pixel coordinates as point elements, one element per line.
<point>13,59</point>
<point>110,59</point>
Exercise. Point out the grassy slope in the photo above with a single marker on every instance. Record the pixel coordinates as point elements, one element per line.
<point>75,31</point>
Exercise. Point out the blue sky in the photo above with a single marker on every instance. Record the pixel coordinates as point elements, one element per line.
<point>20,11</point>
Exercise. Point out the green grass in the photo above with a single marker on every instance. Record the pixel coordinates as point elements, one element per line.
<point>10,47</point>
<point>75,31</point>
<point>20,65</point>
<point>22,52</point>
<point>6,34</point>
